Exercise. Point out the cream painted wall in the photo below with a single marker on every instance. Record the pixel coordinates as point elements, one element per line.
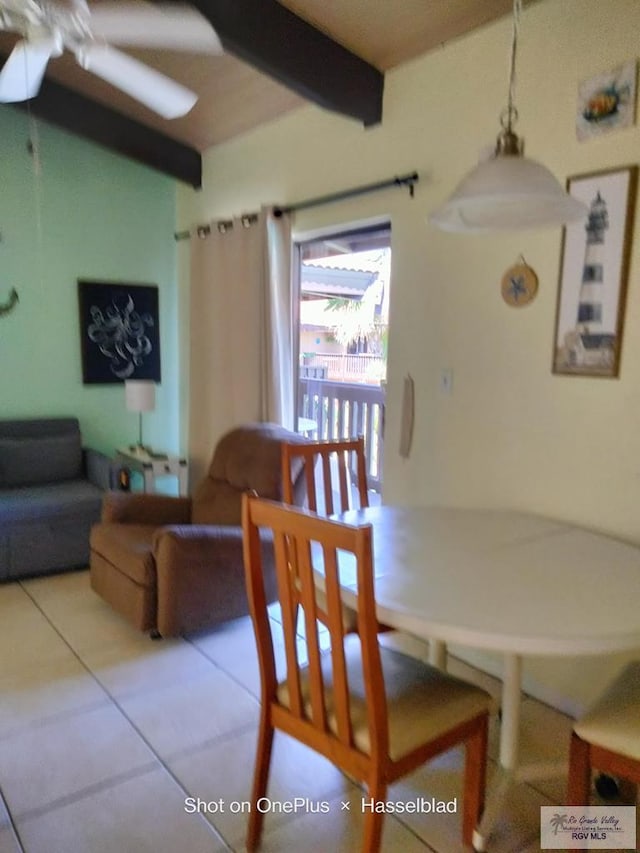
<point>511,434</point>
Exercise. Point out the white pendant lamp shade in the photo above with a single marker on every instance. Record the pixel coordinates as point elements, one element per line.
<point>508,192</point>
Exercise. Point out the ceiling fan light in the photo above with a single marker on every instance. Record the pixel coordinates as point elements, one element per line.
<point>507,193</point>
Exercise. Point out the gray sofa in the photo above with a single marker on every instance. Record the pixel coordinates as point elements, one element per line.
<point>50,495</point>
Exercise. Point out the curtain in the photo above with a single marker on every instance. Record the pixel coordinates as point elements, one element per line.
<point>240,331</point>
<point>278,370</point>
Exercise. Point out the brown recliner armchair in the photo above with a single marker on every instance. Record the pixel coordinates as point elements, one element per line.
<point>172,565</point>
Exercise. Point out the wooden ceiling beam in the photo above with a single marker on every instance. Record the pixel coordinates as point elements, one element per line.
<point>70,110</point>
<point>277,42</point>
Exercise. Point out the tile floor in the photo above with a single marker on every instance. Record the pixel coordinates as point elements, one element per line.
<point>104,733</point>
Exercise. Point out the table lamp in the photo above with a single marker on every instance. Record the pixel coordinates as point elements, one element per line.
<point>140,396</point>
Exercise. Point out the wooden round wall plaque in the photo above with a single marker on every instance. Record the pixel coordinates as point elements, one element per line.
<point>519,285</point>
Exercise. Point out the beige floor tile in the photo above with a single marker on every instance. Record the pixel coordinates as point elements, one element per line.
<point>92,624</point>
<point>63,589</point>
<point>544,733</point>
<point>83,618</point>
<point>142,664</point>
<point>544,737</point>
<point>28,639</point>
<point>180,717</point>
<point>43,691</point>
<point>337,830</point>
<point>8,841</point>
<point>59,759</point>
<point>275,611</point>
<point>232,647</point>
<point>13,597</point>
<point>4,814</point>
<point>141,815</point>
<point>518,823</point>
<point>225,770</point>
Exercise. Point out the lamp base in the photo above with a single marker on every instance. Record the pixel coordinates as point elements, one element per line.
<point>140,449</point>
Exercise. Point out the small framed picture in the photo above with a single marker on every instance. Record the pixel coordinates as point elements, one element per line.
<point>119,332</point>
<point>594,268</point>
<point>607,101</point>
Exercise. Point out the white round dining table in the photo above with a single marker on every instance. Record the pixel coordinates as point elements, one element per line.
<point>506,581</point>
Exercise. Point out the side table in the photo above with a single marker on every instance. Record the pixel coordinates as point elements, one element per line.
<point>152,465</point>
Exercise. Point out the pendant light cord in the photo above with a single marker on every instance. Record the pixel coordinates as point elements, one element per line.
<point>511,112</point>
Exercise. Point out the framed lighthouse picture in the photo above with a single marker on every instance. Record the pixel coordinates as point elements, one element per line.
<point>594,268</point>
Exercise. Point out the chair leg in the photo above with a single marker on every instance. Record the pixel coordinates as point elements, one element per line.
<point>260,779</point>
<point>579,787</point>
<point>373,820</point>
<point>475,772</point>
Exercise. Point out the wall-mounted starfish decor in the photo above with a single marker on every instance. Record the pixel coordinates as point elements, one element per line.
<point>519,284</point>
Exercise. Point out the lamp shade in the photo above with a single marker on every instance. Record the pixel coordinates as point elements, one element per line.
<point>140,395</point>
<point>508,193</point>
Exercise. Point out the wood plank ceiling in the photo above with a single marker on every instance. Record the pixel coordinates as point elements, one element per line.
<point>272,65</point>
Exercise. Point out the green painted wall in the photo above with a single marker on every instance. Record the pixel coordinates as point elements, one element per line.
<point>89,214</point>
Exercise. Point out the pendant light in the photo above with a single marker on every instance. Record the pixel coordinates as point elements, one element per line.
<point>508,191</point>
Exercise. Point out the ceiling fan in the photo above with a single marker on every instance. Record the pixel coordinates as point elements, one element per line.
<point>48,27</point>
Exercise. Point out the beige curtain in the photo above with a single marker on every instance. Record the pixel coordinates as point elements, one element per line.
<point>240,354</point>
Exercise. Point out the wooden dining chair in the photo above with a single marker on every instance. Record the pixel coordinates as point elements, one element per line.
<point>374,713</point>
<point>607,738</point>
<point>339,464</point>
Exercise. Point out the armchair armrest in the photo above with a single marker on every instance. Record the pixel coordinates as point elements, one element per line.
<point>200,576</point>
<point>130,508</point>
<point>100,469</point>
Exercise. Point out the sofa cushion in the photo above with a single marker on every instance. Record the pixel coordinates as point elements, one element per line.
<point>50,502</point>
<point>128,548</point>
<point>41,459</point>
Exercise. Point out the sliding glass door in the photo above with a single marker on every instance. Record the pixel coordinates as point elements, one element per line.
<point>343,300</point>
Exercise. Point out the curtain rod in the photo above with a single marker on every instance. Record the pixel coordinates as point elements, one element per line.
<point>224,225</point>
<point>398,181</point>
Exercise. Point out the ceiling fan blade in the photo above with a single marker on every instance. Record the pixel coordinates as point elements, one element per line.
<point>23,71</point>
<point>158,92</point>
<point>171,25</point>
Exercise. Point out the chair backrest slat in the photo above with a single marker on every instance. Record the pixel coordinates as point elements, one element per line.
<point>336,632</point>
<point>326,480</point>
<point>252,556</point>
<point>340,464</point>
<point>310,480</point>
<point>287,594</point>
<point>309,609</point>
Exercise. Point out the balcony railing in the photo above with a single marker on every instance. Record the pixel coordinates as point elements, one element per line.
<point>346,410</point>
<point>344,367</point>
